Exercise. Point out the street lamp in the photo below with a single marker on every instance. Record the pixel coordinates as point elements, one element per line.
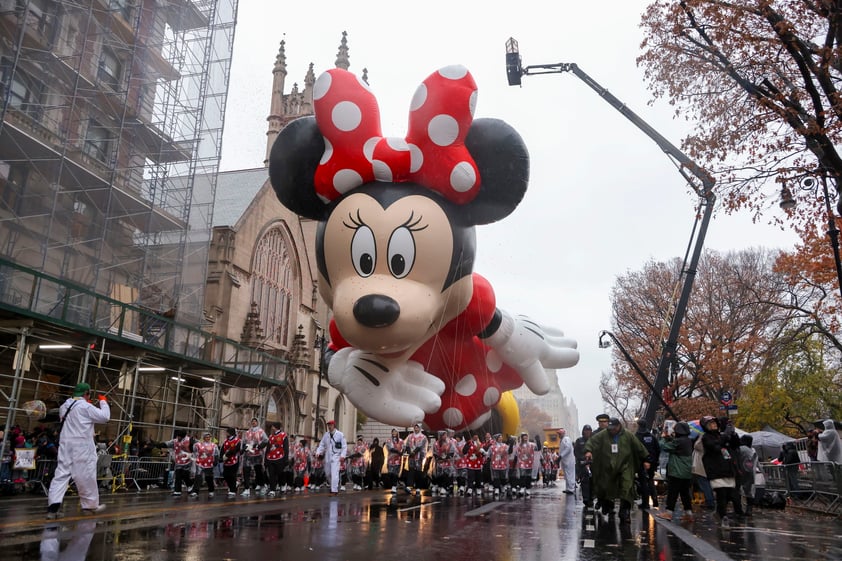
<point>604,344</point>
<point>809,184</point>
<point>698,178</point>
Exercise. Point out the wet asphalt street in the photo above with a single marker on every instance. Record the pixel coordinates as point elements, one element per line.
<point>374,525</point>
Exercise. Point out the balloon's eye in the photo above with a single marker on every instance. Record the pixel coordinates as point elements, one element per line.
<point>364,251</point>
<point>401,252</point>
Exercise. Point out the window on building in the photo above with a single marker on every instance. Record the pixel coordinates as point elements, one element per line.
<point>25,93</point>
<point>122,7</point>
<point>110,69</point>
<point>98,142</point>
<point>15,183</point>
<point>40,14</point>
<point>272,285</point>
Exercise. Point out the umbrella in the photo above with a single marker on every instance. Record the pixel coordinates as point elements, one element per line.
<point>768,443</point>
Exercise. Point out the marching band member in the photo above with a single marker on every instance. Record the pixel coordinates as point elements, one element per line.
<point>525,456</point>
<point>207,455</point>
<point>255,441</point>
<point>277,456</point>
<point>317,470</point>
<point>444,452</point>
<point>416,447</point>
<point>182,451</point>
<point>333,449</point>
<point>394,459</point>
<point>231,449</point>
<point>358,463</point>
<point>474,458</point>
<point>300,457</point>
<point>499,460</point>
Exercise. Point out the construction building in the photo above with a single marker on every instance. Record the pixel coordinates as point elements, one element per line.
<point>110,140</point>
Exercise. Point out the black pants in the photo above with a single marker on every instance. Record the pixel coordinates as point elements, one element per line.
<point>207,473</point>
<point>647,486</point>
<point>229,474</point>
<point>724,495</point>
<point>679,488</point>
<point>274,472</point>
<point>182,476</point>
<point>259,478</point>
<point>584,478</point>
<point>474,478</point>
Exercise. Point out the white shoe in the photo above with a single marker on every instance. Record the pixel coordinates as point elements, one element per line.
<point>298,489</point>
<point>394,490</point>
<point>342,488</point>
<point>194,494</point>
<point>96,510</point>
<point>527,492</point>
<point>210,494</point>
<point>231,494</point>
<point>443,492</point>
<point>245,493</point>
<point>470,492</point>
<point>496,491</point>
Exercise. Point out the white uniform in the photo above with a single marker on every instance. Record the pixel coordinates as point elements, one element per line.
<point>568,463</point>
<point>333,446</point>
<point>77,452</point>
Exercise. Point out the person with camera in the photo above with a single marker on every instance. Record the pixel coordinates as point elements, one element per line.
<point>77,456</point>
<point>332,448</point>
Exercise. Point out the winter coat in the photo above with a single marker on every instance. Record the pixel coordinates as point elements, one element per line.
<point>613,473</point>
<point>718,454</point>
<point>680,451</point>
<point>829,443</point>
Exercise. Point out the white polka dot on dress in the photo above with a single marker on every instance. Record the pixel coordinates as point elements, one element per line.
<point>346,116</point>
<point>491,397</point>
<point>419,98</point>
<point>463,177</point>
<point>328,153</point>
<point>322,86</point>
<point>453,72</point>
<point>443,130</point>
<point>452,417</point>
<point>466,386</point>
<point>493,361</point>
<point>346,179</point>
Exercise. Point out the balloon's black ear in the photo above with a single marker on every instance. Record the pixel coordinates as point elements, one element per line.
<point>292,166</point>
<point>503,162</point>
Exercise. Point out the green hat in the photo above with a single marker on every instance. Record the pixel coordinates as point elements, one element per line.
<point>81,389</point>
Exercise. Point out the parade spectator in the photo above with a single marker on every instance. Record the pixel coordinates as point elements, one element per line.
<point>332,449</point>
<point>232,447</point>
<point>700,478</point>
<point>255,440</point>
<point>749,462</point>
<point>719,450</point>
<point>415,447</point>
<point>792,462</point>
<point>813,445</point>
<point>394,459</point>
<point>646,476</point>
<point>568,461</point>
<point>679,469</point>
<point>277,457</point>
<point>615,454</point>
<point>376,459</point>
<point>77,452</point>
<point>583,468</point>
<point>206,453</point>
<point>830,445</point>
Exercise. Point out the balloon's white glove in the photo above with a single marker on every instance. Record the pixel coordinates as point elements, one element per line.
<point>530,348</point>
<point>396,393</point>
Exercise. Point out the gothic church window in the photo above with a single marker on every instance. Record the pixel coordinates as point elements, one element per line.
<point>272,287</point>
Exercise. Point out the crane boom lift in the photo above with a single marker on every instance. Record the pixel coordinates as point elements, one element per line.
<point>698,178</point>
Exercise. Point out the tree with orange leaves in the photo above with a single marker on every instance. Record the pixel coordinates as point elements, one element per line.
<point>732,329</point>
<point>760,79</point>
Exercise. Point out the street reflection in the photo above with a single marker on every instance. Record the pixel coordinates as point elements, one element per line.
<point>77,546</point>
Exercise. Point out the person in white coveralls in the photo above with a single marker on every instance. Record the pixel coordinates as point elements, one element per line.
<point>332,447</point>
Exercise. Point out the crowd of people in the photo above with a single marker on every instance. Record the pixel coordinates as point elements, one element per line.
<point>258,462</point>
<point>614,465</point>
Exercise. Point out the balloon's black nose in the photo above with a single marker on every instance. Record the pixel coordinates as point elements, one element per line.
<point>376,310</point>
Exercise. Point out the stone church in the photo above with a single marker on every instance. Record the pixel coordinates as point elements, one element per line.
<point>262,286</point>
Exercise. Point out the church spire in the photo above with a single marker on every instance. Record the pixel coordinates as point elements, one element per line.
<point>276,106</point>
<point>342,60</point>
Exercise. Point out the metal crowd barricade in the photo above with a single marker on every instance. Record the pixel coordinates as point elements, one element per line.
<point>43,474</point>
<point>814,485</point>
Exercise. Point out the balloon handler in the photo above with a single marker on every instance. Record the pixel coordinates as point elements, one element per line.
<point>415,336</point>
<point>77,451</point>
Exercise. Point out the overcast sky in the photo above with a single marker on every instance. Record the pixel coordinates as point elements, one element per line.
<point>603,199</point>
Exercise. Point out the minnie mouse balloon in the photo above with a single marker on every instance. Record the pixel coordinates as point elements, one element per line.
<point>416,335</point>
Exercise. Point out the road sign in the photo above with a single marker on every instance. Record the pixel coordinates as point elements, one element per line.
<point>726,398</point>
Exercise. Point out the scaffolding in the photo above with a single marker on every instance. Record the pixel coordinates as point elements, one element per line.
<point>110,139</point>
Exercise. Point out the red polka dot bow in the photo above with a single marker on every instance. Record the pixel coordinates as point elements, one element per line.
<point>433,154</point>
